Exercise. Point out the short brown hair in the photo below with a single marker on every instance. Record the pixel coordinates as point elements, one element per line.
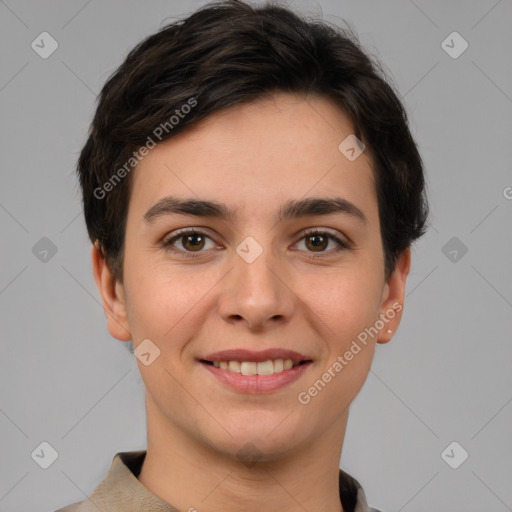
<point>226,54</point>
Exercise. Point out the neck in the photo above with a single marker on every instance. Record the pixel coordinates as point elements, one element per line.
<point>188,474</point>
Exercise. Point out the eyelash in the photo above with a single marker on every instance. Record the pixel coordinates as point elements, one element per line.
<point>167,243</point>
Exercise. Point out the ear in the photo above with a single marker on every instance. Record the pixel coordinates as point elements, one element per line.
<point>112,296</point>
<point>393,297</point>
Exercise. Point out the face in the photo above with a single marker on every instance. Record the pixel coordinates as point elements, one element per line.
<point>308,279</point>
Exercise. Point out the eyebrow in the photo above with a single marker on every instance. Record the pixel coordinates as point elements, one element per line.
<point>291,210</point>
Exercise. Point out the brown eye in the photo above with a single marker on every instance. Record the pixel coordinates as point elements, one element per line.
<point>192,242</point>
<point>188,243</point>
<point>317,242</point>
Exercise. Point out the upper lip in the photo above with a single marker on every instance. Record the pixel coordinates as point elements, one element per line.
<point>250,355</point>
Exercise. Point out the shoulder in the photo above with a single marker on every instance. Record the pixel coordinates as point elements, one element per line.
<point>119,487</point>
<point>80,506</point>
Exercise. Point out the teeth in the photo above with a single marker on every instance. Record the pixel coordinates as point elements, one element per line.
<point>265,368</point>
<point>249,368</point>
<point>255,368</point>
<point>234,366</point>
<point>278,365</point>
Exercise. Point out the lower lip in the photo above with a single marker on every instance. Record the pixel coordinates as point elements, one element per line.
<point>255,384</point>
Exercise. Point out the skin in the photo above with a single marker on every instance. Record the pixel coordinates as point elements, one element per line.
<point>254,158</point>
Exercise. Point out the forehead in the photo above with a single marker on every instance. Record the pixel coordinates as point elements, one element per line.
<point>252,155</point>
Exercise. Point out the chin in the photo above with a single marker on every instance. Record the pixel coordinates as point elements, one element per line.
<point>265,439</point>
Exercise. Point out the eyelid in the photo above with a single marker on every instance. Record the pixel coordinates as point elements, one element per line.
<point>199,230</point>
<point>344,243</point>
<point>326,231</point>
<point>180,233</point>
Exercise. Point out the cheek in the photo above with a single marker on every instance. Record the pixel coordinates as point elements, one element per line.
<point>165,304</point>
<point>346,300</point>
<point>344,311</point>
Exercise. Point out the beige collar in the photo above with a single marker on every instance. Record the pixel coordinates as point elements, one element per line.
<point>121,491</point>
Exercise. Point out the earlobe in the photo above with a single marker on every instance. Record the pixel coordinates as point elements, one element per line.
<point>394,296</point>
<point>112,296</point>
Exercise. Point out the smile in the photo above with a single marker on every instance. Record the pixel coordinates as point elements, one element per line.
<point>256,377</point>
<point>268,367</point>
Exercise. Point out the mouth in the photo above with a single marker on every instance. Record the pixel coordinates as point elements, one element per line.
<point>249,362</point>
<point>256,372</point>
<point>268,367</point>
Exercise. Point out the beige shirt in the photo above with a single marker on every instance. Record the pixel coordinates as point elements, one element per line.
<point>121,491</point>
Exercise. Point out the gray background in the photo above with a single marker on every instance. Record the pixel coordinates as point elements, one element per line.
<point>446,375</point>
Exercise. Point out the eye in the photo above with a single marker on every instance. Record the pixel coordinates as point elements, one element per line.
<point>191,241</point>
<point>317,241</point>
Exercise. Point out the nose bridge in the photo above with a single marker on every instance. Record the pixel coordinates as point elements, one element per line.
<point>255,292</point>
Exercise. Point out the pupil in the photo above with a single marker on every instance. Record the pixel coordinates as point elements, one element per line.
<point>316,237</point>
<point>192,237</point>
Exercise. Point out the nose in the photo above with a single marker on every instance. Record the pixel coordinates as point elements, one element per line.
<point>257,294</point>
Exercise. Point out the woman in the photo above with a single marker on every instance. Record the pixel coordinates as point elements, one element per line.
<point>252,190</point>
